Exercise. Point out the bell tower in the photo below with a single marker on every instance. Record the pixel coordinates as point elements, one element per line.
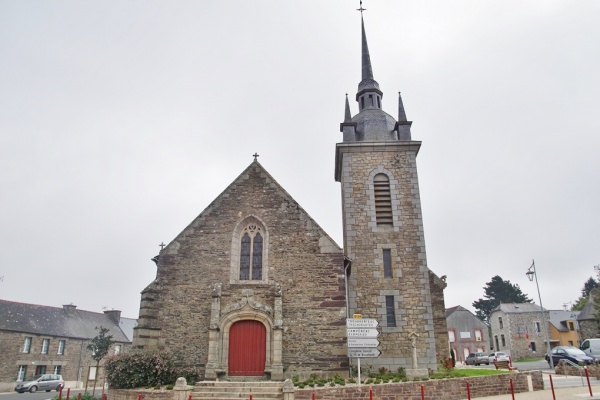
<point>383,228</point>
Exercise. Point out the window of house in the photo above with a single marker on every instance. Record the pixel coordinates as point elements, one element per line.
<point>383,200</point>
<point>532,347</point>
<point>478,335</point>
<point>537,328</point>
<point>61,347</point>
<point>570,343</point>
<point>27,345</point>
<point>45,345</point>
<point>387,263</point>
<point>40,370</point>
<point>500,324</point>
<point>22,373</point>
<point>390,311</point>
<point>571,326</point>
<point>496,342</point>
<point>451,336</point>
<point>251,252</point>
<point>57,369</point>
<point>117,348</point>
<point>503,340</point>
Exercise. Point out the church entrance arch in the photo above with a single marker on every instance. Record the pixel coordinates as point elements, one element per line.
<point>247,348</point>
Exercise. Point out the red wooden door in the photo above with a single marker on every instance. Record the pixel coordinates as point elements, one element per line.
<point>247,346</point>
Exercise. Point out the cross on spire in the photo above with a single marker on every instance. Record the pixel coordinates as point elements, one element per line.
<point>255,155</point>
<point>162,245</point>
<point>361,9</point>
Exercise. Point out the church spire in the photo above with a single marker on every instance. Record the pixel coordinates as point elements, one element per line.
<point>367,69</point>
<point>369,96</point>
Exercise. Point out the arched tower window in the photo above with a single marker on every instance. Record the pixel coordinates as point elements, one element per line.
<point>383,200</point>
<point>249,248</point>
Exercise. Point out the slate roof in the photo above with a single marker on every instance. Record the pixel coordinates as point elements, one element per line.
<point>451,310</point>
<point>589,310</point>
<point>558,318</point>
<point>515,308</point>
<point>61,322</point>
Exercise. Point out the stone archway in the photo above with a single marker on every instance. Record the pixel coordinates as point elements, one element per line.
<point>254,313</point>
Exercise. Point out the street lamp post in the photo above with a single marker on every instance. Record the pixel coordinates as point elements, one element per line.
<point>531,273</point>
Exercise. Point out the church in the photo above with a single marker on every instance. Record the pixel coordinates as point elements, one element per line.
<point>254,288</point>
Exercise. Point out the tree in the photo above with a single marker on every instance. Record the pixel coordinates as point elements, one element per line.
<point>498,291</point>
<point>99,346</point>
<point>588,286</point>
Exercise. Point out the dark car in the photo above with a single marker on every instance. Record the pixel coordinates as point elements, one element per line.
<point>477,358</point>
<point>45,382</point>
<point>570,353</point>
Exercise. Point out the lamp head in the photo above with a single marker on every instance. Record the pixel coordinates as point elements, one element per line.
<point>530,274</point>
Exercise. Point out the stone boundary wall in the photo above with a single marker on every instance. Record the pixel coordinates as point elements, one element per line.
<point>566,369</point>
<point>447,389</point>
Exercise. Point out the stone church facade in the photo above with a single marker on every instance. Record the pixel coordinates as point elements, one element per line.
<point>254,287</point>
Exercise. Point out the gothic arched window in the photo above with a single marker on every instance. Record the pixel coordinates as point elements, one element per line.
<point>251,253</point>
<point>383,200</point>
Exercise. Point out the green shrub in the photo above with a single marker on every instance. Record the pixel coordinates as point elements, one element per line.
<point>137,369</point>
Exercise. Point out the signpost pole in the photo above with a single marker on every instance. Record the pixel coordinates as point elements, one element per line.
<point>359,383</point>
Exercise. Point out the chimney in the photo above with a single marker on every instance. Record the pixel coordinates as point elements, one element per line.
<point>70,309</point>
<point>114,315</point>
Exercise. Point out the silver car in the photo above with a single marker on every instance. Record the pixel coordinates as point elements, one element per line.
<point>45,382</point>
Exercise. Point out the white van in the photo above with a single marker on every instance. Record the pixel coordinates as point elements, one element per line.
<point>591,347</point>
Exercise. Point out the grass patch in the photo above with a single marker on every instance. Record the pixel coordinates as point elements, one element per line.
<point>464,373</point>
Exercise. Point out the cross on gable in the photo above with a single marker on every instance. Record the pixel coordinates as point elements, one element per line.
<point>255,155</point>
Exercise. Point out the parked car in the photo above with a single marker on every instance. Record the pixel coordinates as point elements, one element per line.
<point>570,353</point>
<point>477,358</point>
<point>591,347</point>
<point>498,356</point>
<point>45,382</point>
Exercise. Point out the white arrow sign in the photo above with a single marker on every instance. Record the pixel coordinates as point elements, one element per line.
<point>362,323</point>
<point>363,353</point>
<point>362,332</point>
<point>352,342</point>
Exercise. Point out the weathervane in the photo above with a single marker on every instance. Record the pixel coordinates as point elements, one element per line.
<point>361,9</point>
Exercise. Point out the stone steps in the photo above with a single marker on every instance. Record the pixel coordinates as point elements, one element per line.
<point>223,390</point>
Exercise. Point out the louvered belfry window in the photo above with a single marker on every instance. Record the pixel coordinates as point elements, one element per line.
<point>251,253</point>
<point>383,200</point>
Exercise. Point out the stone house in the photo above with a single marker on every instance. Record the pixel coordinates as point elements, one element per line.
<point>587,321</point>
<point>517,329</point>
<point>36,339</point>
<point>466,333</point>
<point>254,287</point>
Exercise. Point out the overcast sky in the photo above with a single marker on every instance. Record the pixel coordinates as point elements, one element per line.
<point>120,121</point>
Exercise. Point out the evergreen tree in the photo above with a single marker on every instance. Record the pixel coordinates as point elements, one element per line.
<point>498,291</point>
<point>588,286</point>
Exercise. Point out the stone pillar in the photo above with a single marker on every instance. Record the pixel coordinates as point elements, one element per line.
<point>277,365</point>
<point>212,362</point>
<point>289,392</point>
<point>181,389</point>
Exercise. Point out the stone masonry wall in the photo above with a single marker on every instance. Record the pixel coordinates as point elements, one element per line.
<point>300,257</point>
<point>364,241</point>
<point>447,389</point>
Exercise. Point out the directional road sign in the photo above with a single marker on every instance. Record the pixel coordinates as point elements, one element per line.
<point>362,333</point>
<point>363,353</point>
<point>369,342</point>
<point>362,323</point>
